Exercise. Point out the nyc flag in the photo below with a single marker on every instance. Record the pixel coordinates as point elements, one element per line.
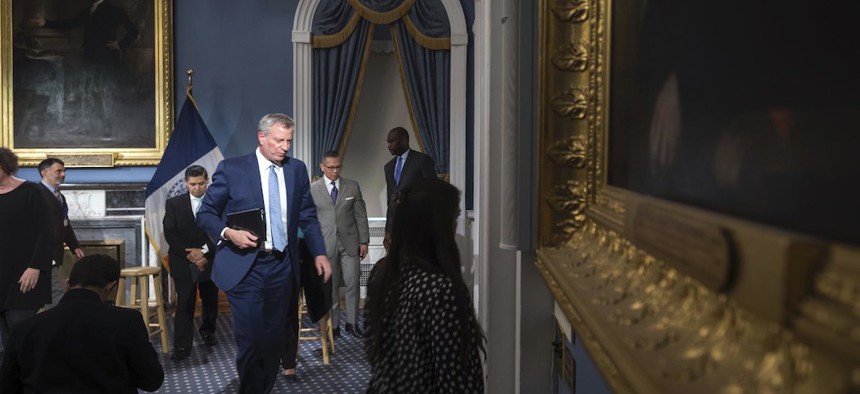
<point>189,144</point>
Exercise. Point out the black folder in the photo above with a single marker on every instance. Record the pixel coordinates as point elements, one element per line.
<point>252,220</point>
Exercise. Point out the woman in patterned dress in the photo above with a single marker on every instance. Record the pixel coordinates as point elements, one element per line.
<point>424,337</point>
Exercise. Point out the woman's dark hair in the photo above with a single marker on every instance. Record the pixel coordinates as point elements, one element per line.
<point>423,236</point>
<point>8,161</point>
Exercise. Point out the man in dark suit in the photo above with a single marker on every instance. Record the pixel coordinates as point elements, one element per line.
<point>407,167</point>
<point>191,256</point>
<point>260,277</point>
<point>343,217</point>
<point>53,173</point>
<point>82,345</point>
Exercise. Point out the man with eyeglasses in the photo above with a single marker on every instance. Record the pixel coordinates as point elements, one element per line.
<point>343,219</point>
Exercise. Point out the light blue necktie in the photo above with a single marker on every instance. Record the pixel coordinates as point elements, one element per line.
<point>397,169</point>
<point>278,241</point>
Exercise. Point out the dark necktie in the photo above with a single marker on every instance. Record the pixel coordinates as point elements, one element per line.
<point>278,241</point>
<point>397,169</point>
<point>333,193</point>
<point>65,207</point>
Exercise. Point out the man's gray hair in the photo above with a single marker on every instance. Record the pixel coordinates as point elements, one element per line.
<point>269,120</point>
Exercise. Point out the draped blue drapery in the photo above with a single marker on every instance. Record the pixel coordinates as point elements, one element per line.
<point>336,72</point>
<point>427,74</point>
<point>342,29</point>
<point>381,5</point>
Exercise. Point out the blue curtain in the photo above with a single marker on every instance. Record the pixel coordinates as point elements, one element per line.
<point>382,5</point>
<point>428,78</point>
<point>341,34</point>
<point>335,71</point>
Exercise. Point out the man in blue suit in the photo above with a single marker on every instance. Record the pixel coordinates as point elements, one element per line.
<point>259,279</point>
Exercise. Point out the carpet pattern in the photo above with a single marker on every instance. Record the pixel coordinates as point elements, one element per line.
<point>213,370</point>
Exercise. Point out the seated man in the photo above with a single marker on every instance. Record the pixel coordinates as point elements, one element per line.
<point>82,344</point>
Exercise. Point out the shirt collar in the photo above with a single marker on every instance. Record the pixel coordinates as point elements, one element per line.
<point>51,188</point>
<point>263,162</point>
<point>405,155</point>
<point>329,181</point>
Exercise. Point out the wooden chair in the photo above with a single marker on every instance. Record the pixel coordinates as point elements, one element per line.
<point>322,333</point>
<point>139,278</point>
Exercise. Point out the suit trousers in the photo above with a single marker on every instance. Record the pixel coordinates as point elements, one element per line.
<point>186,303</point>
<point>259,304</point>
<point>58,288</point>
<point>349,268</point>
<point>291,347</point>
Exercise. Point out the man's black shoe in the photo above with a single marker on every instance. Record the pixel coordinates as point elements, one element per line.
<point>209,339</point>
<point>335,332</point>
<point>355,330</point>
<point>180,354</point>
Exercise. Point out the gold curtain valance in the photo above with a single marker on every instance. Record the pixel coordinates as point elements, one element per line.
<point>381,18</point>
<point>333,40</point>
<point>384,18</point>
<point>432,43</point>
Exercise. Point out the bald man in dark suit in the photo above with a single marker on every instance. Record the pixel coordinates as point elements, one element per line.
<point>407,167</point>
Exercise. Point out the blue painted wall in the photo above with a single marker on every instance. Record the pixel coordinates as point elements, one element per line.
<point>241,53</point>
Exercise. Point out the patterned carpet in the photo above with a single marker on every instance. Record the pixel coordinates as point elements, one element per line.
<point>213,370</point>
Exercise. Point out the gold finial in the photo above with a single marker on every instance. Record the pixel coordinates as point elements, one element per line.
<point>190,74</point>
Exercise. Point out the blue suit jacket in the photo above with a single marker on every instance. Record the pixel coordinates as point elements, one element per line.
<point>236,187</point>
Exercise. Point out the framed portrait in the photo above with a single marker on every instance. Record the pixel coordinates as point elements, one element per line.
<point>698,188</point>
<point>89,81</point>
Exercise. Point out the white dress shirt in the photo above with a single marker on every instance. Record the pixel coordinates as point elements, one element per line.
<point>195,206</point>
<point>264,165</point>
<point>328,185</point>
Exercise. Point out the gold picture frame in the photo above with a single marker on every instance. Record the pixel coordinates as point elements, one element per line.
<point>75,110</point>
<point>667,297</point>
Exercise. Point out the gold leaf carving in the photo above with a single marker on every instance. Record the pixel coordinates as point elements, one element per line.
<point>574,11</point>
<point>571,104</point>
<point>570,152</point>
<point>569,202</point>
<point>571,57</point>
<point>689,335</point>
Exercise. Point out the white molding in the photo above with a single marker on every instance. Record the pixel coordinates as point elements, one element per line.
<point>302,36</point>
<point>457,100</point>
<point>481,152</point>
<point>302,98</point>
<point>509,196</point>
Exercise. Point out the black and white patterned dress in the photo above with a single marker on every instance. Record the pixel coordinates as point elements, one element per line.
<point>420,342</point>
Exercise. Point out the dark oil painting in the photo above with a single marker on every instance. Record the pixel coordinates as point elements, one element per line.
<point>83,74</point>
<point>744,107</point>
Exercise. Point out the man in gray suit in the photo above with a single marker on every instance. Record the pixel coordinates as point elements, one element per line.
<point>343,219</point>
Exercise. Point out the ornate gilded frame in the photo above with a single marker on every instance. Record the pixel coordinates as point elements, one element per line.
<point>97,157</point>
<point>662,300</point>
